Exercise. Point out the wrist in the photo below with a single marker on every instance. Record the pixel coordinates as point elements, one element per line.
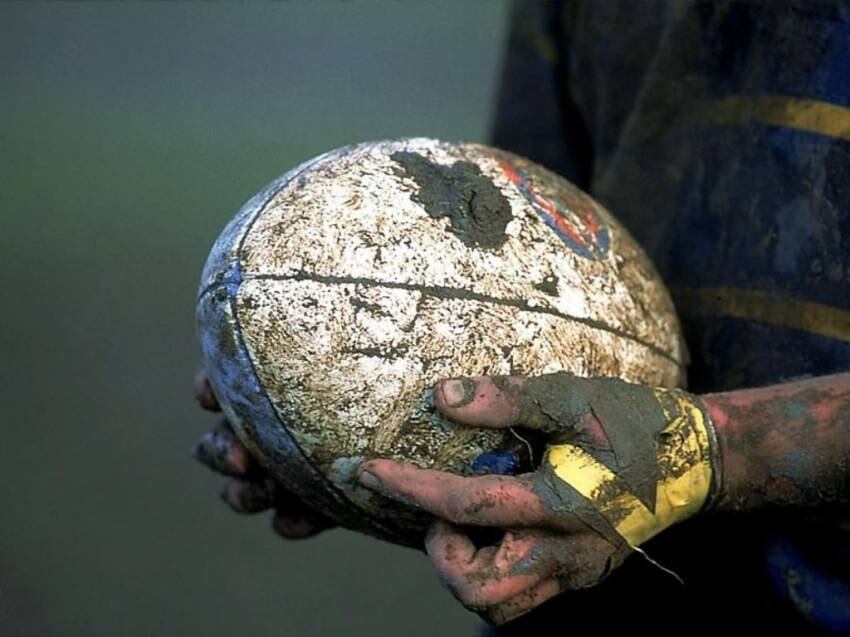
<point>785,445</point>
<point>737,469</point>
<point>664,465</point>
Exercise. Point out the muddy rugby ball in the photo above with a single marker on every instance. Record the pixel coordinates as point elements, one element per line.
<point>339,294</point>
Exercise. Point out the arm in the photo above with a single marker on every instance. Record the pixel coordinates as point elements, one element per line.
<point>623,463</point>
<point>785,445</point>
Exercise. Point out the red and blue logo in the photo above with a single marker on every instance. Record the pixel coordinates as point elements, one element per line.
<point>577,224</point>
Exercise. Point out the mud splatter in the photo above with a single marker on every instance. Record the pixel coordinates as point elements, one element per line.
<point>549,285</point>
<point>600,413</point>
<point>373,308</point>
<point>477,210</point>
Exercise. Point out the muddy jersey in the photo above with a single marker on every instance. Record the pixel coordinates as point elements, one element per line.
<point>719,133</point>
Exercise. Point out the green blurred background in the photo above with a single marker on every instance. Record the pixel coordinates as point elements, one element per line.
<point>129,134</point>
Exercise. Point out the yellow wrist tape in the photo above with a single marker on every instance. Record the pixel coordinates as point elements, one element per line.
<point>684,472</point>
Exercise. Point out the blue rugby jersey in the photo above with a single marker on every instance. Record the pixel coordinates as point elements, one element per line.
<point>719,133</point>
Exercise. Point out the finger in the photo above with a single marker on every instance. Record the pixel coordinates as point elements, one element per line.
<point>248,497</point>
<point>550,402</point>
<point>204,393</point>
<point>449,548</point>
<point>485,500</point>
<point>489,576</point>
<point>295,520</point>
<point>221,451</point>
<point>480,401</point>
<point>523,603</point>
<point>299,528</point>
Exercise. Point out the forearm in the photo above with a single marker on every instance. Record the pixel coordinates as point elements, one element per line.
<point>784,445</point>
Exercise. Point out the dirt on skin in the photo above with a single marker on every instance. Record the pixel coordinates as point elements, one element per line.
<point>783,445</point>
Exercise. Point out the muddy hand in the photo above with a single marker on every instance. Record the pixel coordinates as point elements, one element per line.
<point>249,489</point>
<point>623,463</point>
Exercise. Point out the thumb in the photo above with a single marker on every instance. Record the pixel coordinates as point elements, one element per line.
<point>480,401</point>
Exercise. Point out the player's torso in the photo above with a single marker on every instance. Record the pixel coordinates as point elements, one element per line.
<point>729,158</point>
<point>720,135</point>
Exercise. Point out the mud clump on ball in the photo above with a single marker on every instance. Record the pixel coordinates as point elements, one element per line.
<point>339,294</point>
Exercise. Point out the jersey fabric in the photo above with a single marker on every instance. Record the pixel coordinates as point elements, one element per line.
<point>719,134</point>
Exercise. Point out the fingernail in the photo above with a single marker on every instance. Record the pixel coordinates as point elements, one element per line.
<point>371,481</point>
<point>458,392</point>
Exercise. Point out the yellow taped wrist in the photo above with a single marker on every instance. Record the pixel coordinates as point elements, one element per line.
<point>684,471</point>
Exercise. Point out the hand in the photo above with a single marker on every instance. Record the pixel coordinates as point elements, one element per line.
<point>250,489</point>
<point>623,463</point>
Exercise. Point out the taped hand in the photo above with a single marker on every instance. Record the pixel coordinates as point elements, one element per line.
<point>622,462</point>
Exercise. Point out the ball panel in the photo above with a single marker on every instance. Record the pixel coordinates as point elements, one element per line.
<point>649,311</point>
<point>348,363</point>
<point>224,263</point>
<point>329,225</point>
<point>353,367</point>
<point>256,421</point>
